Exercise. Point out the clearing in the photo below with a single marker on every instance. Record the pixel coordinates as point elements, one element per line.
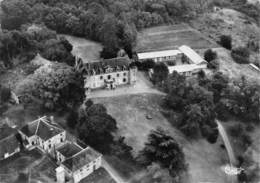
<point>88,50</point>
<point>142,85</point>
<point>234,70</point>
<point>131,112</point>
<point>171,37</point>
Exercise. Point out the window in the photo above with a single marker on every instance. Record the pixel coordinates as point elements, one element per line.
<point>61,140</point>
<point>33,142</point>
<point>49,146</point>
<point>109,77</point>
<point>124,80</point>
<point>118,75</point>
<point>101,77</point>
<point>124,73</point>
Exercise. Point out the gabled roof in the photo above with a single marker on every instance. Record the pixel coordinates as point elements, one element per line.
<point>8,145</point>
<point>192,55</point>
<point>6,131</point>
<point>81,159</point>
<point>69,149</point>
<point>156,54</point>
<point>43,128</point>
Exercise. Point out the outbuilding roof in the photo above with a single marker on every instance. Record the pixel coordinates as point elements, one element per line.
<point>43,128</point>
<point>81,159</point>
<point>192,55</point>
<point>156,54</point>
<point>69,149</point>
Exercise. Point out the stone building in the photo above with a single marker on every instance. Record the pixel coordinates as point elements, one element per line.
<point>108,73</point>
<point>43,133</point>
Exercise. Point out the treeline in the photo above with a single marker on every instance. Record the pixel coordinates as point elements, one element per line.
<point>113,23</point>
<point>19,46</point>
<point>195,106</point>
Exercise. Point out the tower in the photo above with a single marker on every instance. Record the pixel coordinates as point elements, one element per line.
<point>60,174</point>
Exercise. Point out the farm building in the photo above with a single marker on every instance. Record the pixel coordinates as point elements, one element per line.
<point>9,143</point>
<point>42,133</point>
<point>108,73</point>
<point>184,60</point>
<point>79,165</point>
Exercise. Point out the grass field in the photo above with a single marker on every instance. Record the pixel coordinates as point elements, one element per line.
<point>204,159</point>
<point>171,37</point>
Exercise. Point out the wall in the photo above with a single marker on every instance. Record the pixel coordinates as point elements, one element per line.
<point>54,141</point>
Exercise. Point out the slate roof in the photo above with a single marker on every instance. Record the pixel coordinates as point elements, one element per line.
<point>8,140</point>
<point>69,149</point>
<point>43,128</point>
<point>156,54</point>
<point>192,55</point>
<point>81,159</point>
<point>116,64</point>
<point>8,145</point>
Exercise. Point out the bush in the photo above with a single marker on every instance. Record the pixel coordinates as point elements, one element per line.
<point>226,41</point>
<point>210,55</point>
<point>214,64</point>
<point>148,64</point>
<point>241,55</point>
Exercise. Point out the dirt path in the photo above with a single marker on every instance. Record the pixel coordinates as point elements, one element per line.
<point>113,173</point>
<point>142,85</point>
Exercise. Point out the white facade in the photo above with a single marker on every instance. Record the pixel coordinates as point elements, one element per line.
<point>116,78</point>
<point>86,170</point>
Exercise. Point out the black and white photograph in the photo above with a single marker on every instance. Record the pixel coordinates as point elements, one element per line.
<point>129,91</point>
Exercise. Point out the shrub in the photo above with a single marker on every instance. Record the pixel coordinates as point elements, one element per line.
<point>214,64</point>
<point>210,55</point>
<point>226,41</point>
<point>241,55</point>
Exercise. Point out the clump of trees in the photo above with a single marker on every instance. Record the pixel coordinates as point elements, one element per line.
<point>241,55</point>
<point>56,86</point>
<point>226,41</point>
<point>162,149</point>
<point>160,73</point>
<point>24,44</point>
<point>211,57</point>
<point>95,127</point>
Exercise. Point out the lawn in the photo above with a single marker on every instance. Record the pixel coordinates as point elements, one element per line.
<point>205,160</point>
<point>171,37</point>
<point>88,50</point>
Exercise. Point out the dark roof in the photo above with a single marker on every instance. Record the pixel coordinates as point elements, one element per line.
<point>81,159</point>
<point>8,145</point>
<point>116,64</point>
<point>6,131</point>
<point>42,128</point>
<point>69,149</point>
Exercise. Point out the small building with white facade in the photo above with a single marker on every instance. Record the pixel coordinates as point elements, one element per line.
<point>184,60</point>
<point>79,165</point>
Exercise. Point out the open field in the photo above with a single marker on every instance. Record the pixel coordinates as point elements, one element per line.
<point>88,50</point>
<point>205,160</point>
<point>234,70</point>
<point>171,37</point>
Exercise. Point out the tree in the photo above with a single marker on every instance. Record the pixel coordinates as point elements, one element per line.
<point>160,73</point>
<point>72,119</point>
<point>57,86</point>
<point>226,41</point>
<point>163,149</point>
<point>210,55</point>
<point>241,55</point>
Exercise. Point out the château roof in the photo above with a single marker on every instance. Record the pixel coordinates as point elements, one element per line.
<point>43,128</point>
<point>115,64</point>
